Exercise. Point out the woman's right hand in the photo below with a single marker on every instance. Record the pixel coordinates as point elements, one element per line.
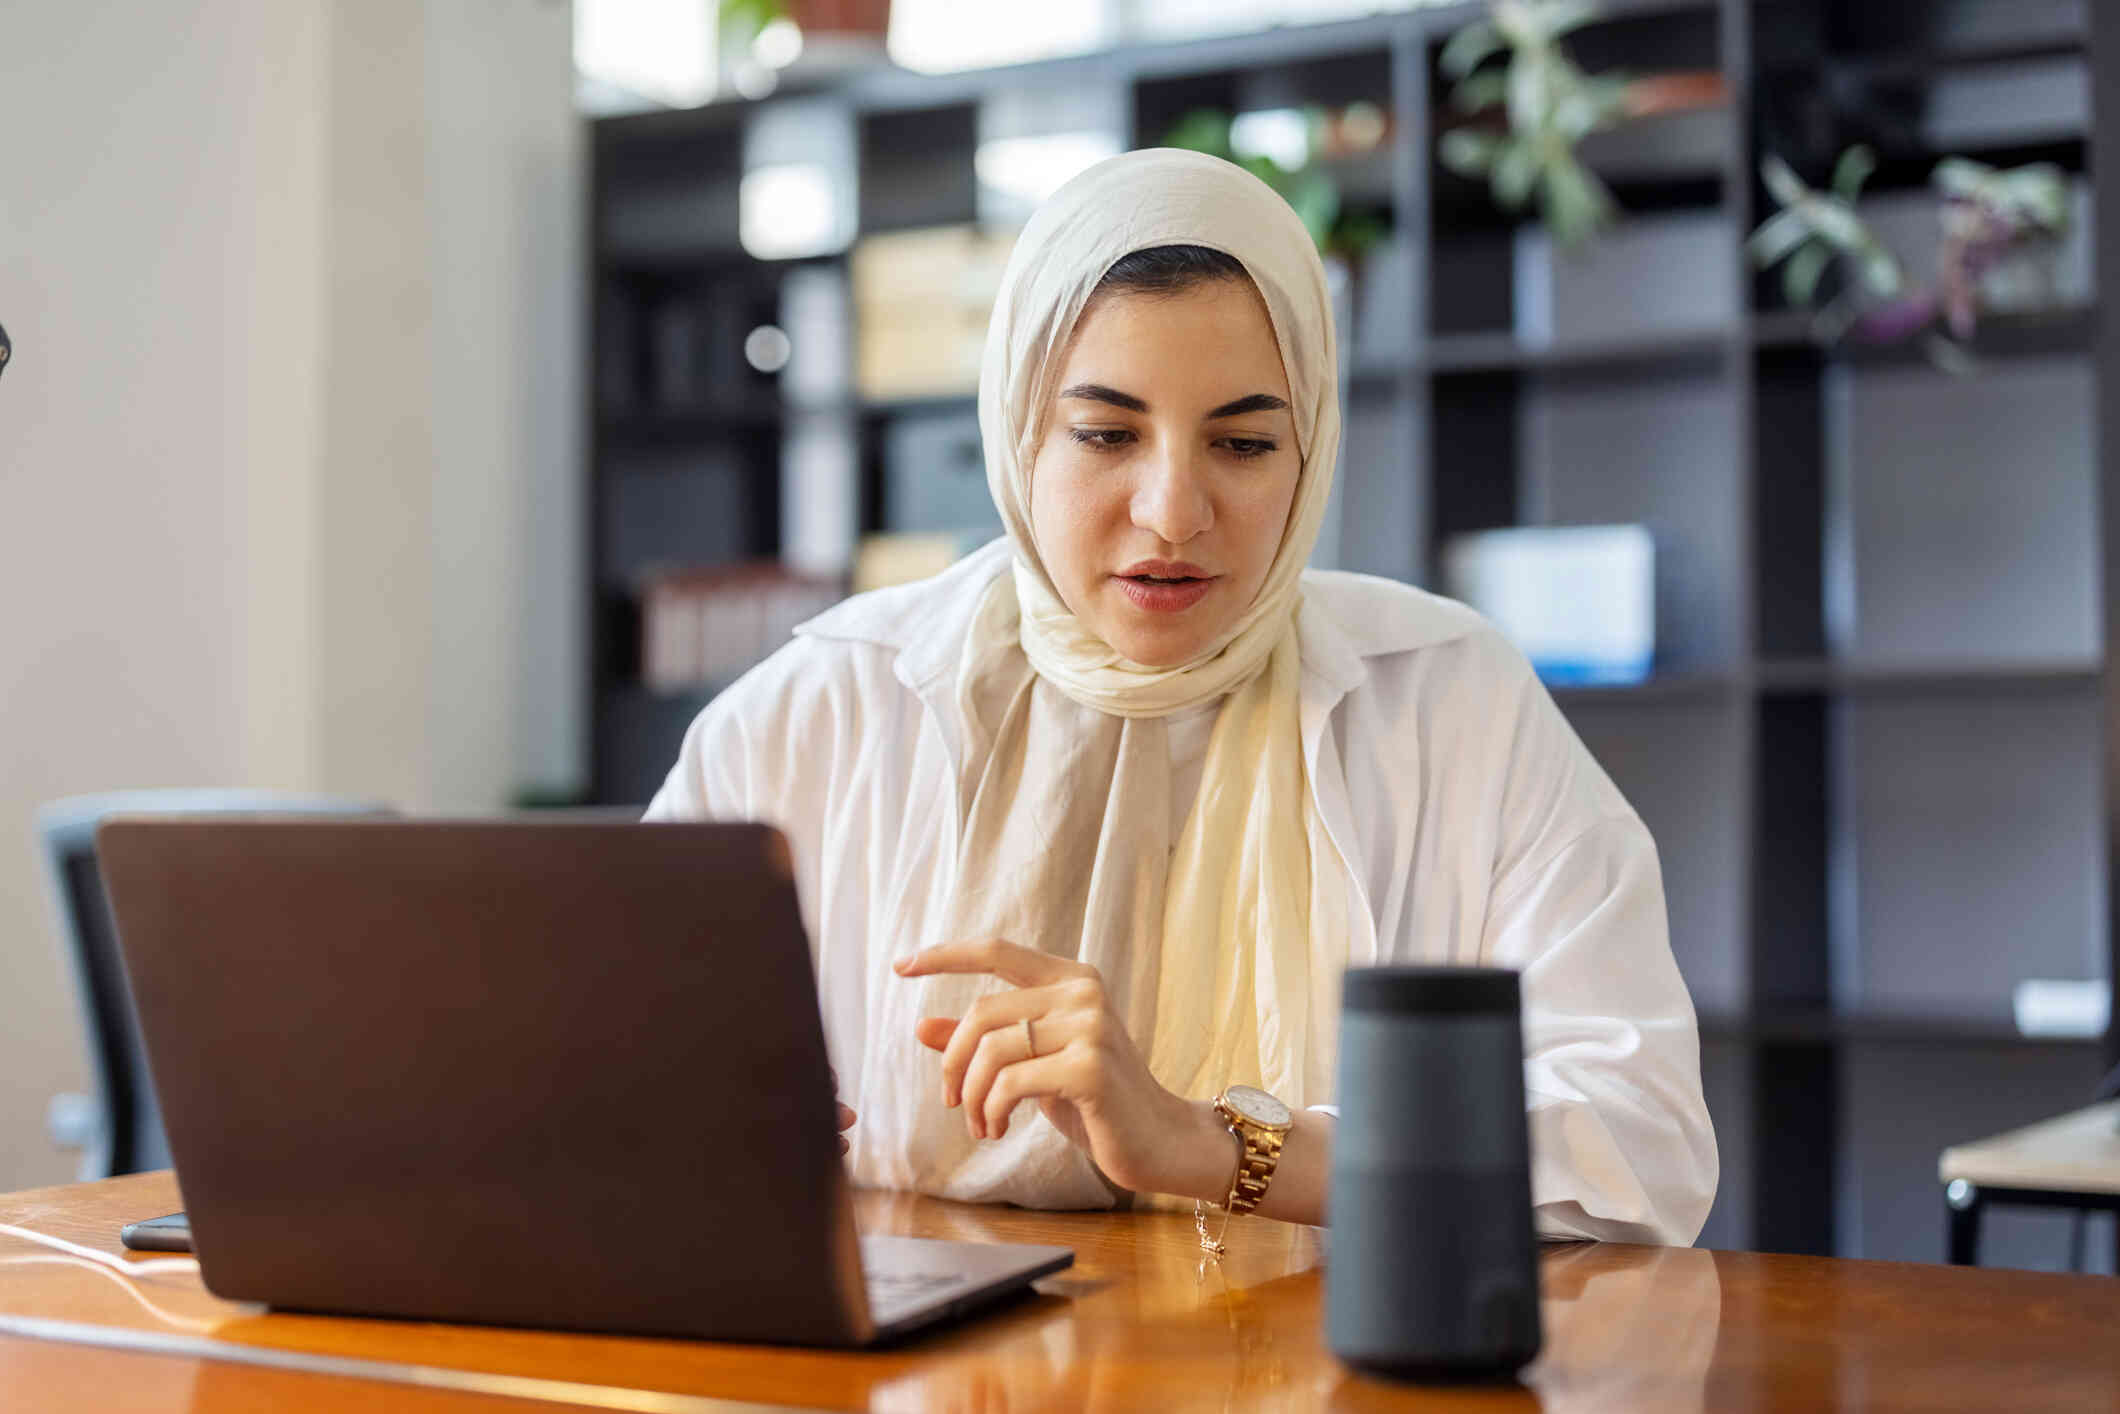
<point>845,1116</point>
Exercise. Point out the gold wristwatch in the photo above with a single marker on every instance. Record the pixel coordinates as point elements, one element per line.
<point>1260,1124</point>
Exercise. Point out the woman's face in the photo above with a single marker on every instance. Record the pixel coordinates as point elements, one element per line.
<point>1166,469</point>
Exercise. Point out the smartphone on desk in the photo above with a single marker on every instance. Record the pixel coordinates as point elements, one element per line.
<point>170,1234</point>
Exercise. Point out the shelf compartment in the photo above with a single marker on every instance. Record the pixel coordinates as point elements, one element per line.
<point>1262,85</point>
<point>674,343</point>
<point>1673,275</point>
<point>2004,82</point>
<point>934,474</point>
<point>715,506</point>
<point>917,168</point>
<point>1992,477</point>
<point>1592,448</point>
<point>1792,34</point>
<point>668,196</point>
<point>1969,850</point>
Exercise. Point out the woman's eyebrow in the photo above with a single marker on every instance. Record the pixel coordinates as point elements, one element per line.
<point>1254,402</point>
<point>1098,393</point>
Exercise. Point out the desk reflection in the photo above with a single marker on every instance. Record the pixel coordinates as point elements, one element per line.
<point>1626,1329</point>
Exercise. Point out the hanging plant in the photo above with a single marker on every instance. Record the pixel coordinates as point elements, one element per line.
<point>766,37</point>
<point>1309,188</point>
<point>1550,105</point>
<point>1988,216</point>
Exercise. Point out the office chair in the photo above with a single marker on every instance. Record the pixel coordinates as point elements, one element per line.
<point>119,1128</point>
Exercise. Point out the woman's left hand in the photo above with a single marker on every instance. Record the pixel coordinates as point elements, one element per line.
<point>1087,1075</point>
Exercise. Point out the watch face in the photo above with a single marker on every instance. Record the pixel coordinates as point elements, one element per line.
<point>1257,1106</point>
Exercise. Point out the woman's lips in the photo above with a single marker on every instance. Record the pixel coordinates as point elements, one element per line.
<point>1163,597</point>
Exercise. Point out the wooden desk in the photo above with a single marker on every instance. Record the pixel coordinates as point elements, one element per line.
<point>1136,1324</point>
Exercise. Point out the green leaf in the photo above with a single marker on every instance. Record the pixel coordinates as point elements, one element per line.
<point>1609,92</point>
<point>1356,232</point>
<point>1202,130</point>
<point>1575,201</point>
<point>1521,26</point>
<point>1835,221</point>
<point>1528,95</point>
<point>1800,277</point>
<point>1961,176</point>
<point>1482,90</point>
<point>1316,200</point>
<point>1782,181</point>
<point>1881,274</point>
<point>2039,192</point>
<point>1777,236</point>
<point>1852,170</point>
<point>1470,47</point>
<point>1515,169</point>
<point>1468,151</point>
<point>1575,116</point>
<point>741,20</point>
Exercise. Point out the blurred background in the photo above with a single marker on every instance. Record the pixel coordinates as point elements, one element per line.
<point>438,401</point>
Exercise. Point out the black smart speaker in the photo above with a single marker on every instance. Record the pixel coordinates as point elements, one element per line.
<point>1433,1271</point>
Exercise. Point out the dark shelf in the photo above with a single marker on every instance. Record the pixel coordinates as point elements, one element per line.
<point>1837,1028</point>
<point>931,403</point>
<point>703,261</point>
<point>723,418</point>
<point>2067,329</point>
<point>1380,374</point>
<point>1822,675</point>
<point>1503,352</point>
<point>1908,66</point>
<point>1683,686</point>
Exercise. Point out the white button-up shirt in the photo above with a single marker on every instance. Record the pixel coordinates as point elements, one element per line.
<point>1466,822</point>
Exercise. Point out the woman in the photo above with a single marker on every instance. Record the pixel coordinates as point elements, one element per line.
<point>1097,817</point>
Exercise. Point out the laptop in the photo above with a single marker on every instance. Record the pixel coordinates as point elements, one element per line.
<point>554,1074</point>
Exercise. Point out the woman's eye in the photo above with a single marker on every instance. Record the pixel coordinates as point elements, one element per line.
<point>1250,446</point>
<point>1101,437</point>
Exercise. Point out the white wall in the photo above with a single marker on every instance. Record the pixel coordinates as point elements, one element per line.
<point>287,449</point>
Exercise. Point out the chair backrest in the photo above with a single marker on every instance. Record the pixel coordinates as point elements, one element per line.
<point>128,1136</point>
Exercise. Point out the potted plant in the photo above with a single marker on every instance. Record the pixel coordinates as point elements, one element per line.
<point>767,36</point>
<point>1991,219</point>
<point>1528,107</point>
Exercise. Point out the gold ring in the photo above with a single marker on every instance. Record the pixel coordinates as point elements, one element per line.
<point>1030,1040</point>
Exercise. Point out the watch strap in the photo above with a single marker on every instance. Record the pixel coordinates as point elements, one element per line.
<point>1258,1154</point>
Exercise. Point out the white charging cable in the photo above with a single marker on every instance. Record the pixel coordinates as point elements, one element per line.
<point>154,1267</point>
<point>125,1274</point>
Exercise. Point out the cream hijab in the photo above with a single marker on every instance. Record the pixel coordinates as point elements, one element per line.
<point>1065,790</point>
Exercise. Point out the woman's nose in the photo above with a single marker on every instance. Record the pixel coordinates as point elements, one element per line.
<point>1171,501</point>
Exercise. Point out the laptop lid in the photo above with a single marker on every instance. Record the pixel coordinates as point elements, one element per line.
<point>493,1071</point>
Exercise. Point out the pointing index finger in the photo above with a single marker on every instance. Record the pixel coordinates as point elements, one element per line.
<point>1011,962</point>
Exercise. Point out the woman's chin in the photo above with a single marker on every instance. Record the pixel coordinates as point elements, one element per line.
<point>1172,646</point>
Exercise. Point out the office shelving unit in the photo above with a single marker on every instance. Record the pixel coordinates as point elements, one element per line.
<point>1878,753</point>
